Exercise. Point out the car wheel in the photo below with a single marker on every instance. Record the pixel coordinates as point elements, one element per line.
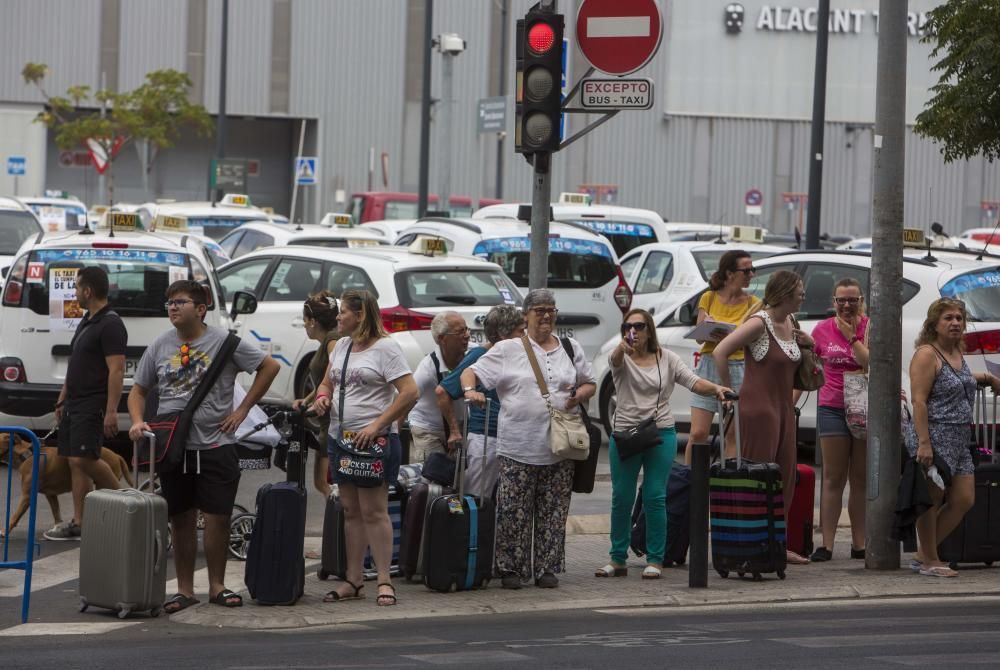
<point>608,404</point>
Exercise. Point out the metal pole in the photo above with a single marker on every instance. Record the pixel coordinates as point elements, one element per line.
<point>101,183</point>
<point>501,136</point>
<point>425,109</point>
<point>541,197</point>
<point>447,80</point>
<point>818,125</point>
<point>220,123</point>
<point>698,518</point>
<point>295,177</point>
<point>882,553</point>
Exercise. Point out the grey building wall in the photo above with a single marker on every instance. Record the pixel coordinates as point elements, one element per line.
<point>350,74</point>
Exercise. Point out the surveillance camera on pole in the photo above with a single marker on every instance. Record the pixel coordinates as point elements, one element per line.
<point>450,46</point>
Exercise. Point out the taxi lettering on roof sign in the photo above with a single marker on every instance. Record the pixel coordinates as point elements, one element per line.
<point>913,237</point>
<point>343,220</point>
<point>236,199</point>
<point>124,222</point>
<point>171,223</point>
<point>574,198</point>
<point>429,246</point>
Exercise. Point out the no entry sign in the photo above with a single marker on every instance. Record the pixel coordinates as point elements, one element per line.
<point>619,36</point>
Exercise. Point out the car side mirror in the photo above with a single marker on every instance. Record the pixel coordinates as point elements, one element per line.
<point>686,314</point>
<point>244,302</point>
<point>4,271</point>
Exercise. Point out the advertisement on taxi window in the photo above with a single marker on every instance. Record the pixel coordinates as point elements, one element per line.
<point>64,310</point>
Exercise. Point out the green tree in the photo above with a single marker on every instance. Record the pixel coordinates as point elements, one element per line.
<point>963,114</point>
<point>155,112</point>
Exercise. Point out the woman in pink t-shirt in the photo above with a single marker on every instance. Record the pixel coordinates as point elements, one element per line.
<point>841,342</point>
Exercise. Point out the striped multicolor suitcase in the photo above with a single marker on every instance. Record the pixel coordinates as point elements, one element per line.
<point>747,516</point>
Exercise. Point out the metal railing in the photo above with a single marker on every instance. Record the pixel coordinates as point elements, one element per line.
<point>29,551</point>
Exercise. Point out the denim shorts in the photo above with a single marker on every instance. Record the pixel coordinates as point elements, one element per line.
<point>706,370</point>
<point>831,422</point>
<point>393,459</point>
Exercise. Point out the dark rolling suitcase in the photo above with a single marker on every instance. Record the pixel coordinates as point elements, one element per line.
<point>459,533</point>
<point>801,513</point>
<point>746,515</point>
<point>123,553</point>
<point>411,540</point>
<point>275,570</point>
<point>977,537</point>
<point>678,508</point>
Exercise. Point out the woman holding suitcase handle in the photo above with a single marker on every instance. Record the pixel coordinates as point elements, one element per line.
<point>378,391</point>
<point>943,389</point>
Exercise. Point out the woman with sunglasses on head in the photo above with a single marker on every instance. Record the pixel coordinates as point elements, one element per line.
<point>319,315</point>
<point>943,390</point>
<point>841,341</point>
<point>726,301</point>
<point>644,375</point>
<point>535,483</point>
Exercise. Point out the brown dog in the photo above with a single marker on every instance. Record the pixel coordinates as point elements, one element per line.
<point>54,476</point>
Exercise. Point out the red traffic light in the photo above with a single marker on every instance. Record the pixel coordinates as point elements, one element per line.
<point>541,37</point>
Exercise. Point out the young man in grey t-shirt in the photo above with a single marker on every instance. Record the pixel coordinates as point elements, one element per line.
<point>175,363</point>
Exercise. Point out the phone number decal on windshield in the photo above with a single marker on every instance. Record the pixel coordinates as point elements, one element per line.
<point>560,244</point>
<point>134,255</point>
<point>610,228</point>
<point>971,282</point>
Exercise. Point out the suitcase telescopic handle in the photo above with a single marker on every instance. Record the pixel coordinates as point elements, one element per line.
<point>734,398</point>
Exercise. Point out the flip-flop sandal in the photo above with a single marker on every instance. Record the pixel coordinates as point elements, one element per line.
<point>336,597</point>
<point>611,570</point>
<point>916,565</point>
<point>938,571</point>
<point>387,596</point>
<point>227,598</point>
<point>179,602</point>
<point>651,572</point>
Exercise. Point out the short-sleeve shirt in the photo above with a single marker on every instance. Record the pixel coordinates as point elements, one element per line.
<point>719,311</point>
<point>636,389</point>
<point>523,431</point>
<point>426,414</point>
<point>452,384</point>
<point>97,336</point>
<point>838,358</point>
<point>368,390</point>
<point>162,366</point>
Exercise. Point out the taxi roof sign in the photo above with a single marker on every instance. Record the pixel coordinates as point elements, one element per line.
<point>914,237</point>
<point>337,219</point>
<point>175,224</point>
<point>745,234</point>
<point>122,221</point>
<point>236,200</point>
<point>570,198</point>
<point>428,246</point>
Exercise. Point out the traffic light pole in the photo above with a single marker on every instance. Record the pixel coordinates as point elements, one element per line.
<point>425,110</point>
<point>818,126</point>
<point>541,197</point>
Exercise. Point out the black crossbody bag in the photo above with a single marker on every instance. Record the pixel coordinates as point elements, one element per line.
<point>172,429</point>
<point>362,468</point>
<point>645,435</point>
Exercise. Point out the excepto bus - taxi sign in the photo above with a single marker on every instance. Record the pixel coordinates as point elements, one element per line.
<point>616,93</point>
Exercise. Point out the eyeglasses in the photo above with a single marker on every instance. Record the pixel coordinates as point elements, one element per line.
<point>459,333</point>
<point>750,270</point>
<point>176,303</point>
<point>637,327</point>
<point>847,301</point>
<point>545,311</point>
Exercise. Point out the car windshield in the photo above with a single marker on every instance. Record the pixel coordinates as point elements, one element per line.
<point>708,259</point>
<point>979,290</point>
<point>624,237</point>
<point>15,228</point>
<point>138,279</point>
<point>216,227</point>
<point>572,263</point>
<point>436,288</point>
<point>336,242</point>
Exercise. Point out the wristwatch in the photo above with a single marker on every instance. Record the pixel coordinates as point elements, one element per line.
<point>466,389</point>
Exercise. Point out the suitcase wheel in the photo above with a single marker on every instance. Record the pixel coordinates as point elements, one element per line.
<point>84,604</point>
<point>989,564</point>
<point>723,573</point>
<point>757,577</point>
<point>322,574</point>
<point>741,574</point>
<point>953,565</point>
<point>155,612</point>
<point>781,574</point>
<point>124,612</point>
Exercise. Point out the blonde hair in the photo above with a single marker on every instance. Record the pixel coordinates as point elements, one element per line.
<point>928,331</point>
<point>780,287</point>
<point>364,303</point>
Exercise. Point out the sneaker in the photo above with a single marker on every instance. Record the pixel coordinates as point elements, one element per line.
<point>67,530</point>
<point>512,582</point>
<point>547,581</point>
<point>821,554</point>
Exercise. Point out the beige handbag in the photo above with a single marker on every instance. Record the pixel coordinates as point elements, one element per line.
<point>568,437</point>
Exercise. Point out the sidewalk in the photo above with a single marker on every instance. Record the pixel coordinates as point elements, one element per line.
<point>841,578</point>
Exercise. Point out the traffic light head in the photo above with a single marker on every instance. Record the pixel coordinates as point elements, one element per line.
<point>539,79</point>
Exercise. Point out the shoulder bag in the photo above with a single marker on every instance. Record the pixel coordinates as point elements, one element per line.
<point>645,435</point>
<point>585,471</point>
<point>809,374</point>
<point>568,437</point>
<point>856,398</point>
<point>364,468</point>
<point>172,429</point>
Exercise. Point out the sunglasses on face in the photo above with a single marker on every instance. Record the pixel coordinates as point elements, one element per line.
<point>847,301</point>
<point>750,270</point>
<point>637,327</point>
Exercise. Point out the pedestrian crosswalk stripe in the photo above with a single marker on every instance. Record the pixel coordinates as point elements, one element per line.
<point>46,573</point>
<point>67,628</point>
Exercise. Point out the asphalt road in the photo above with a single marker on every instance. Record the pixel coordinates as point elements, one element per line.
<point>902,633</point>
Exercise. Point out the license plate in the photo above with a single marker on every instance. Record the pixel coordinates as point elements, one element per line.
<point>477,337</point>
<point>131,366</point>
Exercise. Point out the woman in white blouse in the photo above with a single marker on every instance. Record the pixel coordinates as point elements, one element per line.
<point>535,484</point>
<point>644,375</point>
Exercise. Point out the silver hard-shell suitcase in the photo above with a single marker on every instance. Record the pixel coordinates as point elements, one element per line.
<point>123,549</point>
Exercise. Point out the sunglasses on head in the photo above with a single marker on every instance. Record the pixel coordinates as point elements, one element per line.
<point>637,327</point>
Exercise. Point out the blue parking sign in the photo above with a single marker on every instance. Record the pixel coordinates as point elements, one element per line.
<point>17,166</point>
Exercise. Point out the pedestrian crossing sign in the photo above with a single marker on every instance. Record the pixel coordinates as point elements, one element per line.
<point>305,170</point>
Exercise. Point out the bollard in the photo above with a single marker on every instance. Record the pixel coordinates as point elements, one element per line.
<point>701,456</point>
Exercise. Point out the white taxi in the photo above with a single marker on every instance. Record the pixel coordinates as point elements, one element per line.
<point>17,224</point>
<point>591,292</point>
<point>390,229</point>
<point>410,285</point>
<point>39,312</point>
<point>625,227</point>
<point>57,213</point>
<point>659,273</point>
<point>211,219</point>
<point>256,235</point>
<point>947,273</point>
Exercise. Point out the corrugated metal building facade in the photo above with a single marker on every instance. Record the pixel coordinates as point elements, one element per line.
<point>728,117</point>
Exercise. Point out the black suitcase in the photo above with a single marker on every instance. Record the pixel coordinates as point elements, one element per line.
<point>458,534</point>
<point>977,537</point>
<point>412,538</point>
<point>333,561</point>
<point>746,515</point>
<point>275,570</point>
<point>678,514</point>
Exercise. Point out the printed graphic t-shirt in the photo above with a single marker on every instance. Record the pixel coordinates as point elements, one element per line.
<point>838,358</point>
<point>162,366</point>
<point>368,389</point>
